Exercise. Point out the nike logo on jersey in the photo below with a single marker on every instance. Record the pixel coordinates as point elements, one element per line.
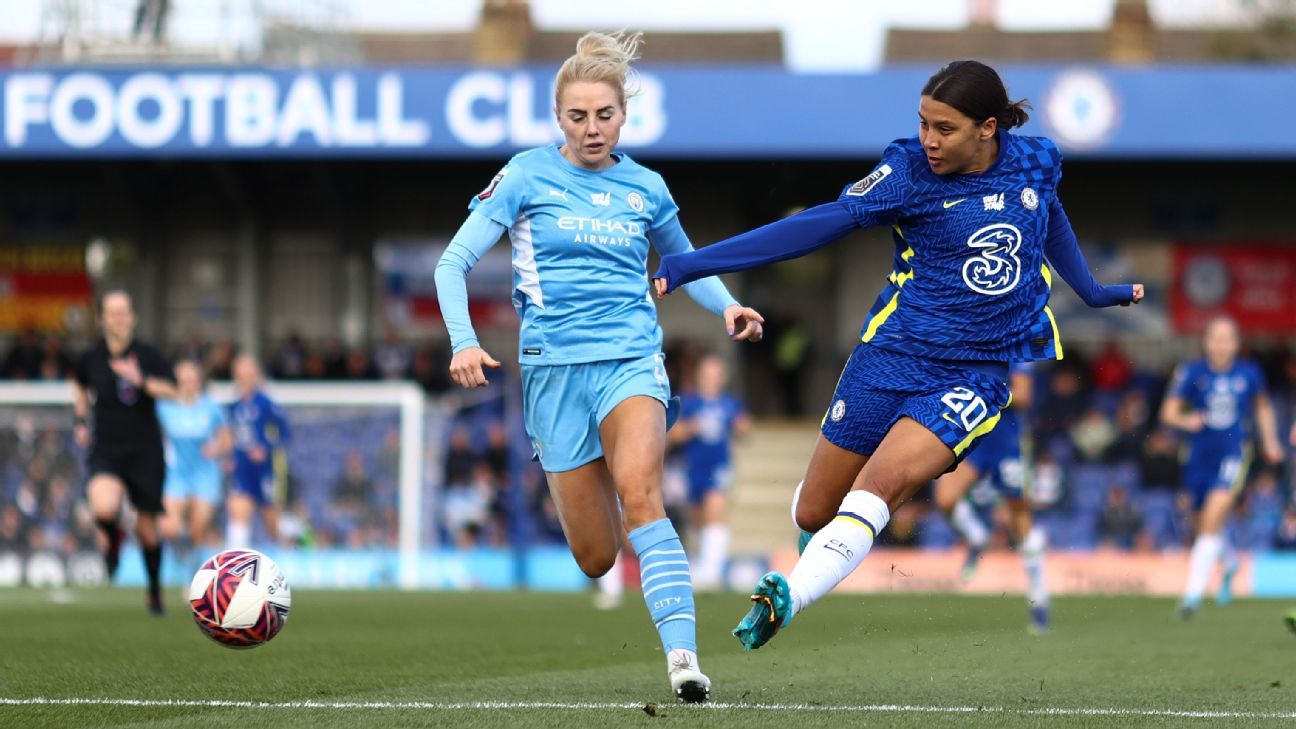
<point>951,203</point>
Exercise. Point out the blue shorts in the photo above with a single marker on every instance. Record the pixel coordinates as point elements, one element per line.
<point>703,481</point>
<point>959,404</point>
<point>1220,471</point>
<point>258,483</point>
<point>563,405</point>
<point>998,459</point>
<point>201,481</point>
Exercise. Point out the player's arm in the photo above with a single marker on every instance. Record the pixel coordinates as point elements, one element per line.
<point>221,443</point>
<point>782,240</point>
<point>1174,410</point>
<point>741,322</point>
<point>1022,386</point>
<point>1267,423</point>
<point>742,424</point>
<point>159,388</point>
<point>81,413</point>
<point>1063,252</point>
<point>476,236</point>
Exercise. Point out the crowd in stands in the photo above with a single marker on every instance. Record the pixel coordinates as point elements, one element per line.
<point>1106,473</point>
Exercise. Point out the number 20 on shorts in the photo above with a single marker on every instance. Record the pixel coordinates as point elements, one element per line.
<point>968,405</point>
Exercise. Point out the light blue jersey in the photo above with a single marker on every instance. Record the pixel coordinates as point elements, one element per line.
<point>580,246</point>
<point>188,427</point>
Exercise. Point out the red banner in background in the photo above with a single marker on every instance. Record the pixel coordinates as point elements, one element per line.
<point>46,287</point>
<point>1254,284</point>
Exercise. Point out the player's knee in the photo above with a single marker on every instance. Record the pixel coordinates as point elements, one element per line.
<point>595,562</point>
<point>641,505</point>
<point>812,517</point>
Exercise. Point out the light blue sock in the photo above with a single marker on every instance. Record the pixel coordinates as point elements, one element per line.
<point>667,585</point>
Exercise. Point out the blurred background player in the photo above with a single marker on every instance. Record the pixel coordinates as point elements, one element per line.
<point>710,419</point>
<point>969,294</point>
<point>122,379</point>
<point>197,436</point>
<point>1212,399</point>
<point>1002,460</point>
<point>581,219</point>
<point>260,432</point>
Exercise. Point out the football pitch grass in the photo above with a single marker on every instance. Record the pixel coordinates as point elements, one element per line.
<point>372,659</point>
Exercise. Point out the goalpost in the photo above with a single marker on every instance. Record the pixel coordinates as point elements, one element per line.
<point>405,397</point>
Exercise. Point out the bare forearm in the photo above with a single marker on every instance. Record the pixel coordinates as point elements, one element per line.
<point>159,389</point>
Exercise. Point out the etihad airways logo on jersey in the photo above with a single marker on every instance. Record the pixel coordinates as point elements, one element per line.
<point>601,232</point>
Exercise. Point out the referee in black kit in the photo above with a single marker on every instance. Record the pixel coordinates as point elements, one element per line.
<point>121,378</point>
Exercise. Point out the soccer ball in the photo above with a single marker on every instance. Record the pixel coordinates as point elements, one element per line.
<point>239,598</point>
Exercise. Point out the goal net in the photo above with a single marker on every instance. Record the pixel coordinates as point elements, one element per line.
<point>381,487</point>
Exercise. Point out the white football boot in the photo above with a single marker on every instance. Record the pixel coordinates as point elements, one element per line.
<point>690,684</point>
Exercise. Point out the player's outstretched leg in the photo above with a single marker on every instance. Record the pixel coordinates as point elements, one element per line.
<point>832,554</point>
<point>146,529</point>
<point>1037,596</point>
<point>1229,559</point>
<point>969,526</point>
<point>668,592</point>
<point>1201,562</point>
<point>771,611</point>
<point>112,551</point>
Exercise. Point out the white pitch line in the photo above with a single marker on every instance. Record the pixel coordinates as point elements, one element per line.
<point>716,706</point>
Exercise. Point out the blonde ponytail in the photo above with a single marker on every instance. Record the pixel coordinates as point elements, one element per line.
<point>601,57</point>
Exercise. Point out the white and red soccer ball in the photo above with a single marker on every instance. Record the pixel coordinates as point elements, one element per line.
<point>239,598</point>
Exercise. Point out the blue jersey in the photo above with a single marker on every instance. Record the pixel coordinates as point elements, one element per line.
<point>969,279</point>
<point>188,427</point>
<point>1226,401</point>
<point>580,251</point>
<point>256,421</point>
<point>707,452</point>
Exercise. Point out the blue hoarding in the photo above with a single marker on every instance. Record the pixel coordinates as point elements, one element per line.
<point>685,112</point>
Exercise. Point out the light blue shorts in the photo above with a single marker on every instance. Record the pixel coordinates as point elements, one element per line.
<point>199,483</point>
<point>564,404</point>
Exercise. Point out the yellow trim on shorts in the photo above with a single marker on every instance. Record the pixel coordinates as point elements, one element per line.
<point>1243,466</point>
<point>856,522</point>
<point>1057,338</point>
<point>977,432</point>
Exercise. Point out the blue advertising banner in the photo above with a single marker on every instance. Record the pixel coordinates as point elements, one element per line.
<point>682,112</point>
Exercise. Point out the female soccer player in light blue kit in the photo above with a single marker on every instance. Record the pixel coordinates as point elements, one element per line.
<point>1212,399</point>
<point>196,435</point>
<point>580,218</point>
<point>975,212</point>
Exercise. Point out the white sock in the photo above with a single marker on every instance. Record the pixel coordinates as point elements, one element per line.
<point>837,549</point>
<point>612,584</point>
<point>968,525</point>
<point>1228,556</point>
<point>1032,554</point>
<point>1201,562</point>
<point>714,539</point>
<point>238,535</point>
<point>796,498</point>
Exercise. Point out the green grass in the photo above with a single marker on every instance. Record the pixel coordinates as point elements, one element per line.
<point>932,651</point>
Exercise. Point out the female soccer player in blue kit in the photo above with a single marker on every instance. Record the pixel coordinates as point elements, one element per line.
<point>580,218</point>
<point>1212,400</point>
<point>975,212</point>
<point>1000,459</point>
